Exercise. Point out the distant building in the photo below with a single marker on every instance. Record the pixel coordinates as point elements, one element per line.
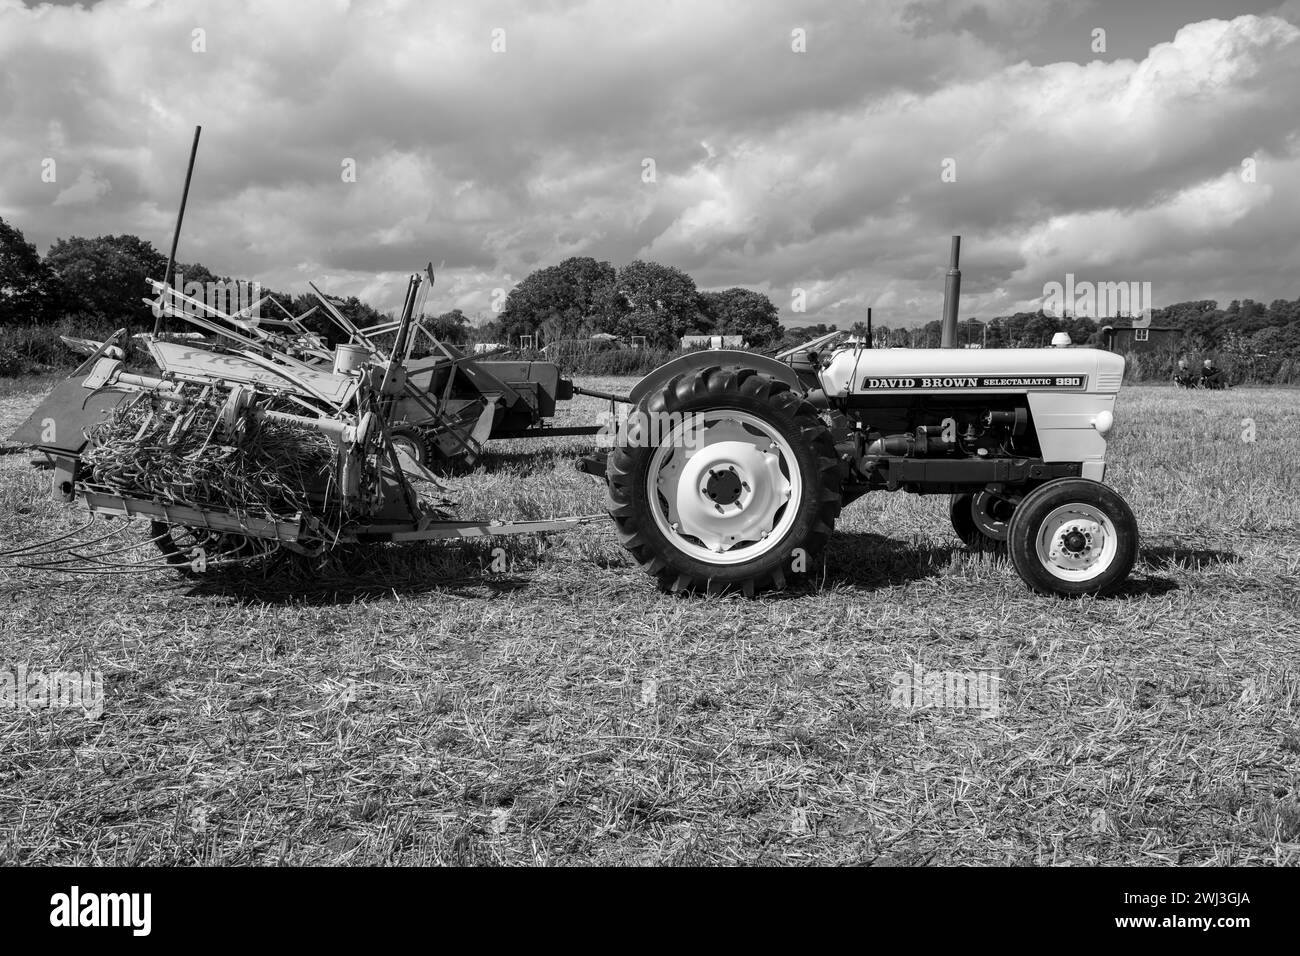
<point>713,341</point>
<point>1127,338</point>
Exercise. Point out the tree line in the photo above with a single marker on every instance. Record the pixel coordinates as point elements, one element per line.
<point>1253,341</point>
<point>102,282</point>
<point>95,284</point>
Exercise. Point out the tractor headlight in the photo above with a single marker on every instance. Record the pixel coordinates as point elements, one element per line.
<point>1103,422</point>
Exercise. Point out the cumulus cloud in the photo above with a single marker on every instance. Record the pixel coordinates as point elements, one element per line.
<point>88,188</point>
<point>774,169</point>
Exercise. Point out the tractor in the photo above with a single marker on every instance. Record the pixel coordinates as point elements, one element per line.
<point>732,467</point>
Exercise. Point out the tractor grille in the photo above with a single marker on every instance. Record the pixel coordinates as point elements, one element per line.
<point>1109,381</point>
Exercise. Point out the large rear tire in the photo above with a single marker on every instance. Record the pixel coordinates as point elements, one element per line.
<point>1072,537</point>
<point>724,480</point>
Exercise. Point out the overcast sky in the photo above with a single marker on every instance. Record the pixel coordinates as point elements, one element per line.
<point>773,169</point>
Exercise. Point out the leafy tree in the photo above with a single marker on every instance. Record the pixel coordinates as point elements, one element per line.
<point>105,278</point>
<point>970,332</point>
<point>194,272</point>
<point>740,312</point>
<point>451,327</point>
<point>359,313</point>
<point>797,335</point>
<point>995,337</point>
<point>27,292</point>
<point>661,302</point>
<point>1081,329</point>
<point>571,299</point>
<point>1039,329</point>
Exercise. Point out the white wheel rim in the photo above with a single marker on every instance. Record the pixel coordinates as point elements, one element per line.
<point>1076,542</point>
<point>724,486</point>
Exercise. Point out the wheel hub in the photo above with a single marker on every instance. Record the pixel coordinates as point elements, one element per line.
<point>725,488</point>
<point>1077,546</point>
<point>992,514</point>
<point>1077,542</point>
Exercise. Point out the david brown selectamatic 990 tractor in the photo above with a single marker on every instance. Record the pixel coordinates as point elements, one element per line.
<point>733,467</point>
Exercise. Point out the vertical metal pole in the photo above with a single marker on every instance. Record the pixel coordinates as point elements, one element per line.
<point>951,293</point>
<point>870,337</point>
<point>180,217</point>
<point>408,313</point>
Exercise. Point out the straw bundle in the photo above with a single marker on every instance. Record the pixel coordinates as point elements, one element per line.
<point>171,451</point>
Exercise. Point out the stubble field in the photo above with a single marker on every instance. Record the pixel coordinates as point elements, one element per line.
<point>413,706</point>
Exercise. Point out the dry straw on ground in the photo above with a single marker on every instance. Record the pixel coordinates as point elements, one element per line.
<point>410,705</point>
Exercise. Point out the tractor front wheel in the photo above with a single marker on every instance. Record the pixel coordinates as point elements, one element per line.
<point>725,479</point>
<point>1072,537</point>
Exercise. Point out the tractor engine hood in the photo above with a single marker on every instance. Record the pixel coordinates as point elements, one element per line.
<point>975,371</point>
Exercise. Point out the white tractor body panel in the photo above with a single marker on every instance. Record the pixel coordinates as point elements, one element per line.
<point>1070,391</point>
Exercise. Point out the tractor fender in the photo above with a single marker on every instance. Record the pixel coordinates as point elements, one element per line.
<point>707,358</point>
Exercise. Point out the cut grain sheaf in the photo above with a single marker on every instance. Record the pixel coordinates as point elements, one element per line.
<point>172,452</point>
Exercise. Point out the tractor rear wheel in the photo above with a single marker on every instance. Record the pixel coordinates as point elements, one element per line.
<point>1072,537</point>
<point>725,479</point>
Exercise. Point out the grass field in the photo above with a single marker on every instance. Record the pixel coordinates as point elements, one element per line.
<point>411,706</point>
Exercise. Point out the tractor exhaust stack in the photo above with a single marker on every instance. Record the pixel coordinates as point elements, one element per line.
<point>951,294</point>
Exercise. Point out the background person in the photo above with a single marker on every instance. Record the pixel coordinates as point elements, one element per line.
<point>1211,375</point>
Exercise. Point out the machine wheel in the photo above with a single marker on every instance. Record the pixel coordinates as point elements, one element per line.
<point>981,519</point>
<point>1073,536</point>
<point>726,479</point>
<point>411,440</point>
